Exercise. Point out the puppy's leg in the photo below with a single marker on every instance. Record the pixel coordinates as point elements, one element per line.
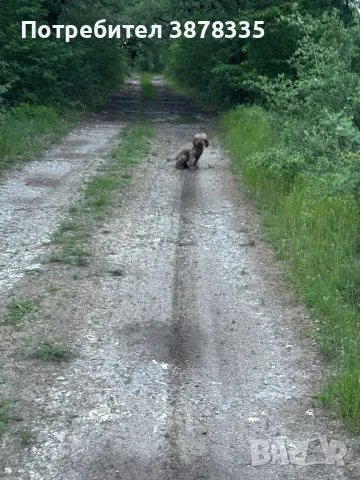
<point>182,161</point>
<point>192,161</point>
<point>195,164</point>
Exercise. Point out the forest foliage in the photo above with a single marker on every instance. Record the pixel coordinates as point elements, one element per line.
<point>45,84</point>
<point>50,71</point>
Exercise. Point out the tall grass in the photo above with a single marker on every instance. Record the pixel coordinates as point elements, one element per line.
<point>248,131</point>
<point>317,231</point>
<point>27,130</point>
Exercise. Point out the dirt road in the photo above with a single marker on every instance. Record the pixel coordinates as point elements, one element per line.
<point>197,362</point>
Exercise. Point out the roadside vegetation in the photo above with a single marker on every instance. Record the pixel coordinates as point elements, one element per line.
<point>26,130</point>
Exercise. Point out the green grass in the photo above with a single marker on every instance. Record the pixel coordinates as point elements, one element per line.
<point>50,352</point>
<point>33,271</point>
<point>247,131</point>
<point>6,416</point>
<point>189,93</point>
<point>316,230</point>
<point>26,131</point>
<point>52,288</point>
<point>148,90</point>
<point>70,253</point>
<point>19,310</point>
<point>117,272</point>
<point>72,236</point>
<point>25,436</point>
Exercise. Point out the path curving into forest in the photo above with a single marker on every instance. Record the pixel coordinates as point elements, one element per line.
<point>193,357</point>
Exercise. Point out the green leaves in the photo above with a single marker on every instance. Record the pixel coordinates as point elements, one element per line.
<point>50,71</point>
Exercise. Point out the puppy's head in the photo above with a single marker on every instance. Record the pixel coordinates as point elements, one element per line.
<point>198,143</point>
<point>202,137</point>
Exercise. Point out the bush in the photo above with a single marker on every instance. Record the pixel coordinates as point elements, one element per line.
<point>29,111</point>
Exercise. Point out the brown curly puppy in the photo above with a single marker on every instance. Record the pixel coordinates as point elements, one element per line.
<point>189,157</point>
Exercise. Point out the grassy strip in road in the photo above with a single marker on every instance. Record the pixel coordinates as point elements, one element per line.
<point>316,229</point>
<point>73,235</point>
<point>148,90</point>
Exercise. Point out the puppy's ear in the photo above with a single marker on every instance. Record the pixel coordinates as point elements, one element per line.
<point>206,143</point>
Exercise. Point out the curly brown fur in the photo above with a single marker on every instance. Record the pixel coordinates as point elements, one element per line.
<point>189,157</point>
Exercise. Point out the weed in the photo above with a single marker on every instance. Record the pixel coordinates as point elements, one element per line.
<point>25,436</point>
<point>100,201</point>
<point>73,210</point>
<point>6,416</point>
<point>68,226</point>
<point>52,288</point>
<point>117,272</point>
<point>248,131</point>
<point>52,352</point>
<point>33,271</point>
<point>71,254</point>
<point>19,310</point>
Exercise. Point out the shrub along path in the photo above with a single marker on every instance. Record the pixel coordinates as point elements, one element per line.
<point>169,348</point>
